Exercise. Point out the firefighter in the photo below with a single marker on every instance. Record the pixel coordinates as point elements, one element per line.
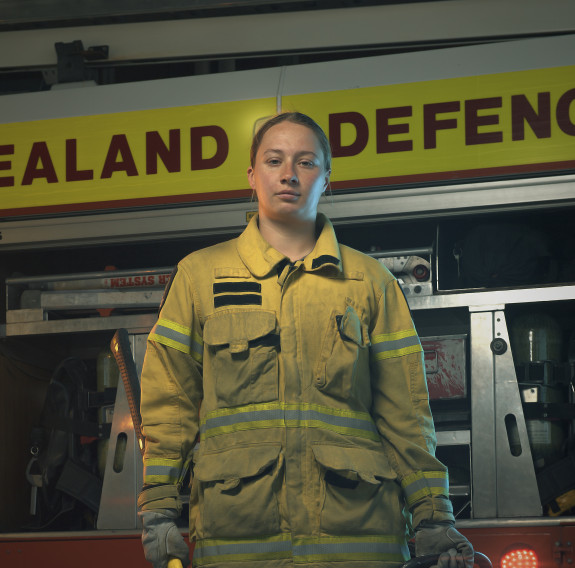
<point>295,363</point>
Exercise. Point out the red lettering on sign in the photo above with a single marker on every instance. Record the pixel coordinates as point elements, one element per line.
<point>72,171</point>
<point>563,112</point>
<point>473,121</point>
<point>539,120</point>
<point>39,154</point>
<point>197,134</point>
<point>6,150</point>
<point>358,121</point>
<point>431,124</point>
<point>119,147</point>
<point>384,129</point>
<point>156,148</point>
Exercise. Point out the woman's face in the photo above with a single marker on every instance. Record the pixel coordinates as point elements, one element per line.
<point>288,175</point>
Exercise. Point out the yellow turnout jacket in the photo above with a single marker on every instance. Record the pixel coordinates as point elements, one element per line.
<point>305,384</point>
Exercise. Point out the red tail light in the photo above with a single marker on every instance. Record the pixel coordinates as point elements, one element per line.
<point>520,558</point>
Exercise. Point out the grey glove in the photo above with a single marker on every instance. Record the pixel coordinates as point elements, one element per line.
<point>454,549</point>
<point>162,539</point>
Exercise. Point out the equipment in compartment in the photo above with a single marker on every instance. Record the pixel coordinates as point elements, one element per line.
<point>537,342</point>
<point>412,268</point>
<point>65,488</point>
<point>445,366</point>
<point>92,294</point>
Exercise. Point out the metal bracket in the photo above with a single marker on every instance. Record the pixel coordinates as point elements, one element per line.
<point>71,60</point>
<point>504,481</point>
<point>123,476</point>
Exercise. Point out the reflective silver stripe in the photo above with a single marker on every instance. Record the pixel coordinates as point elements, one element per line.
<point>367,548</point>
<point>197,349</point>
<point>341,548</point>
<point>399,345</point>
<point>161,470</point>
<point>423,484</point>
<point>161,473</point>
<point>163,332</point>
<point>251,548</point>
<point>178,337</point>
<point>280,415</point>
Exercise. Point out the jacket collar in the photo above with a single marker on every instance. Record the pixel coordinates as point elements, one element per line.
<point>261,258</point>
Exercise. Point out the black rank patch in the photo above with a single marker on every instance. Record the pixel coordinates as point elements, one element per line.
<point>237,287</point>
<point>237,294</point>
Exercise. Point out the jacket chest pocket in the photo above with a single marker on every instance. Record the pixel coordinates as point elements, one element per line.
<point>238,492</point>
<point>344,354</point>
<point>243,357</point>
<point>358,493</point>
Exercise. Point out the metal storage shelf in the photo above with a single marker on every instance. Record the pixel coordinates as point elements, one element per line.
<point>477,300</point>
<point>494,298</point>
<point>135,324</point>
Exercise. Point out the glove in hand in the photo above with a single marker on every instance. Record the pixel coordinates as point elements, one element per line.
<point>454,549</point>
<point>162,539</point>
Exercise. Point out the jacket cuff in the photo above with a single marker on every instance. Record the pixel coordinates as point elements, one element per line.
<point>432,510</point>
<point>160,497</point>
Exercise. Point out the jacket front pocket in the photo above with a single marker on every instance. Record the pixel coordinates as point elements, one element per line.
<point>238,492</point>
<point>243,350</point>
<point>344,354</point>
<point>359,492</point>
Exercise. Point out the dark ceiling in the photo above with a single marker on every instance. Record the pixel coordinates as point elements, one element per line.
<point>30,14</point>
<point>18,15</point>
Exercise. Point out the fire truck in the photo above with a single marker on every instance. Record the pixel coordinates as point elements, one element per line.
<point>454,165</point>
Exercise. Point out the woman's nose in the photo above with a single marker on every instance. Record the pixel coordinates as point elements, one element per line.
<point>289,175</point>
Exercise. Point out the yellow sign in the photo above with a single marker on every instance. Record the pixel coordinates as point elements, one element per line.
<point>128,159</point>
<point>467,127</point>
<point>434,131</point>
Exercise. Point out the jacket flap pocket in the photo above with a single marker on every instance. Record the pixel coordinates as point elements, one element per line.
<point>238,328</point>
<point>350,326</point>
<point>236,463</point>
<point>354,463</point>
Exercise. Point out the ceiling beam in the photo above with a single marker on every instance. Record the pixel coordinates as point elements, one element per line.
<point>293,32</point>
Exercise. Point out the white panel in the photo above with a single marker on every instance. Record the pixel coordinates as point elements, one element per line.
<point>125,97</point>
<point>518,55</point>
<point>295,31</point>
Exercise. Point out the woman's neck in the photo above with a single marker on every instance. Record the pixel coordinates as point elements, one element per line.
<point>295,240</point>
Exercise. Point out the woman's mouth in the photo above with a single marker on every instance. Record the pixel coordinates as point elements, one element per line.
<point>288,195</point>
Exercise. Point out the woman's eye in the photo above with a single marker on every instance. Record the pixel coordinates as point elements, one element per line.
<point>273,161</point>
<point>306,164</point>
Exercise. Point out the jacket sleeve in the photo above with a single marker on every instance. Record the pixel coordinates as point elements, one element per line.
<point>171,384</point>
<point>401,408</point>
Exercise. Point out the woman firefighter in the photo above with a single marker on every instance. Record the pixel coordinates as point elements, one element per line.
<point>295,361</point>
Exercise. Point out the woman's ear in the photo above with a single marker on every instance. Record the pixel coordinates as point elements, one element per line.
<point>251,178</point>
<point>326,181</point>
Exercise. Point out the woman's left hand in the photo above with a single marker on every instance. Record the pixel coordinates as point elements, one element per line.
<point>454,550</point>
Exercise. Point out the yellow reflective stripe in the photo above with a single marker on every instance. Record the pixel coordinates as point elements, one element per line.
<point>398,344</point>
<point>381,337</point>
<point>283,415</point>
<point>392,353</point>
<point>212,551</point>
<point>161,470</point>
<point>178,337</point>
<point>197,351</point>
<point>375,548</point>
<point>422,484</point>
<point>303,551</point>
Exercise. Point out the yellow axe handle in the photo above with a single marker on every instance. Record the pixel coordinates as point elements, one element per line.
<point>174,563</point>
